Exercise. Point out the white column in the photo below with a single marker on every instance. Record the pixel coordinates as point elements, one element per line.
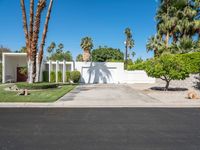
<point>64,71</point>
<point>3,69</point>
<point>72,65</point>
<point>50,65</point>
<point>57,69</point>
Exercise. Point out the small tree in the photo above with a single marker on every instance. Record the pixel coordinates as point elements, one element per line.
<point>168,67</point>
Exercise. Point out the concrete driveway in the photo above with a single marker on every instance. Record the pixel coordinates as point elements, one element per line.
<point>106,94</point>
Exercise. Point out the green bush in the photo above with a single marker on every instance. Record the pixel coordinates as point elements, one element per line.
<point>45,76</point>
<point>167,67</point>
<point>24,85</point>
<point>67,76</point>
<point>139,64</point>
<point>0,72</point>
<point>53,77</point>
<point>192,61</point>
<point>75,76</point>
<point>59,76</point>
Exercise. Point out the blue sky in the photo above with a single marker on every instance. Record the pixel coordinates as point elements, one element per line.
<point>103,20</point>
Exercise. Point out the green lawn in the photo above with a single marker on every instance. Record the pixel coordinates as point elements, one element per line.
<point>48,95</point>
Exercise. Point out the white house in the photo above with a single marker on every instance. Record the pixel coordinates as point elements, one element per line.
<point>91,72</point>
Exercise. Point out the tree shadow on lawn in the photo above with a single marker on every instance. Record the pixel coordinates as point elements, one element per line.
<point>170,89</point>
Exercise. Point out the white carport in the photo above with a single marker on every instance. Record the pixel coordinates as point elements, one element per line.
<point>10,63</point>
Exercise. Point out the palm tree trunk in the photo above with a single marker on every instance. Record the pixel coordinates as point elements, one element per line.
<point>40,7</point>
<point>31,24</point>
<point>25,26</point>
<point>41,51</point>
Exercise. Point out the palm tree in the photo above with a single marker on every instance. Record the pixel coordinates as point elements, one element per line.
<point>155,44</point>
<point>51,48</point>
<point>40,7</point>
<point>41,50</point>
<point>86,45</point>
<point>129,43</point>
<point>33,35</point>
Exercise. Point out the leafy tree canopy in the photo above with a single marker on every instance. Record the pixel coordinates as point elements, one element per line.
<point>105,54</point>
<point>167,67</point>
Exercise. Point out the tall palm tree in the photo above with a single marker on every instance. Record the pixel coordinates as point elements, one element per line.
<point>86,45</point>
<point>129,44</point>
<point>40,7</point>
<point>155,44</point>
<point>25,26</point>
<point>41,50</point>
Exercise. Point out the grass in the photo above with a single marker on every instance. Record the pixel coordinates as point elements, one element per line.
<point>47,95</point>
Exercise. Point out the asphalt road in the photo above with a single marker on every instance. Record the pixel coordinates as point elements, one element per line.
<point>100,129</point>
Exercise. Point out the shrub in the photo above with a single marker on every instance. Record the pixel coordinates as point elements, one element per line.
<point>139,64</point>
<point>59,76</point>
<point>167,67</point>
<point>0,72</point>
<point>192,61</point>
<point>75,76</point>
<point>67,76</point>
<point>45,76</point>
<point>24,85</point>
<point>53,77</point>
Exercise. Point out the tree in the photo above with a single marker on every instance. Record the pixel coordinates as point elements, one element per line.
<point>105,54</point>
<point>33,35</point>
<point>3,50</point>
<point>51,48</point>
<point>167,67</point>
<point>129,44</point>
<point>60,56</point>
<point>86,45</point>
<point>156,45</point>
<point>22,50</point>
<point>60,48</point>
<point>176,21</point>
<point>79,57</point>
<point>41,50</point>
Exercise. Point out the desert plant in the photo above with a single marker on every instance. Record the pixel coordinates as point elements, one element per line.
<point>53,77</point>
<point>168,67</point>
<point>67,76</point>
<point>75,76</point>
<point>59,76</point>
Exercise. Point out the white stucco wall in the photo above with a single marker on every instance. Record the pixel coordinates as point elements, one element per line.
<point>91,72</point>
<point>98,72</point>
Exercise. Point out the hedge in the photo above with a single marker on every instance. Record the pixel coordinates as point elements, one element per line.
<point>192,61</point>
<point>67,76</point>
<point>24,85</point>
<point>45,76</point>
<point>59,76</point>
<point>53,77</point>
<point>75,76</point>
